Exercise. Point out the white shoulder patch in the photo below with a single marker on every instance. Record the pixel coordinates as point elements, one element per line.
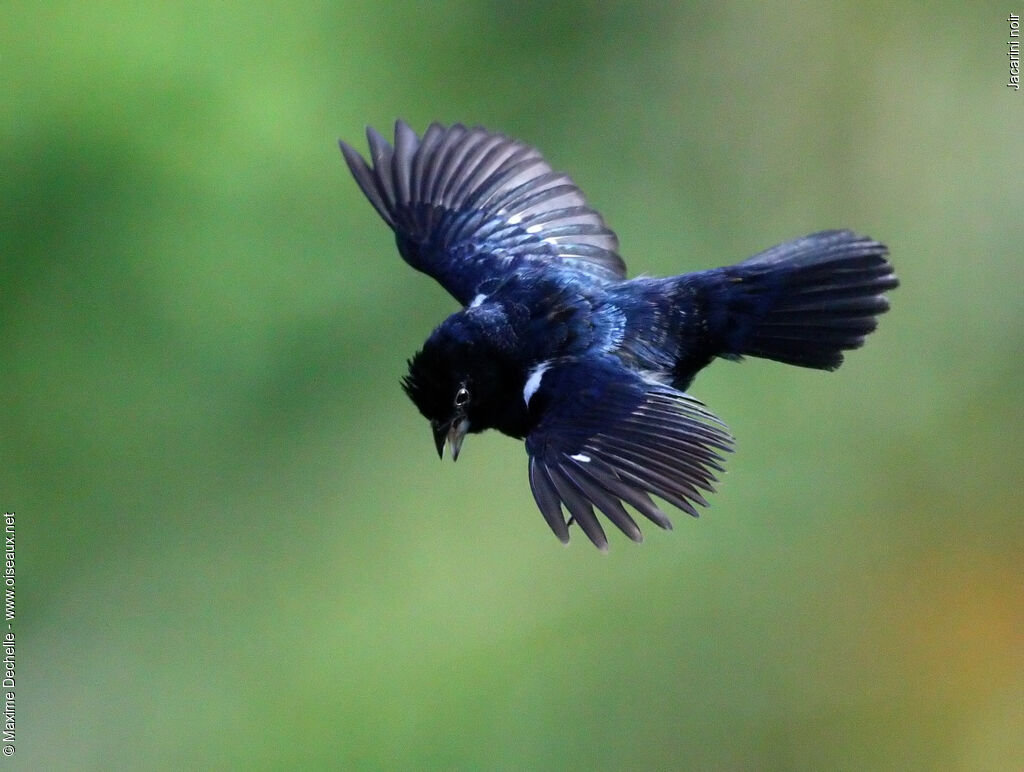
<point>478,300</point>
<point>533,381</point>
<point>656,377</point>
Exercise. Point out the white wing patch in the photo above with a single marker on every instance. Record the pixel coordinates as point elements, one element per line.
<point>478,300</point>
<point>656,377</point>
<point>533,382</point>
<point>583,458</point>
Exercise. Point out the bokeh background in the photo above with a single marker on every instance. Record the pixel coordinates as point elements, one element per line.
<point>236,546</point>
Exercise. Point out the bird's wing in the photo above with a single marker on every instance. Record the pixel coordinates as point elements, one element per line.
<point>607,437</point>
<point>467,206</point>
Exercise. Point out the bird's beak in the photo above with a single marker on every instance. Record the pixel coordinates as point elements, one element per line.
<point>454,432</point>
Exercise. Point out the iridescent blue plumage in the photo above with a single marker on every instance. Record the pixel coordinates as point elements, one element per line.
<point>553,344</point>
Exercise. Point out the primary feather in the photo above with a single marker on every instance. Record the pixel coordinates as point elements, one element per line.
<point>467,205</point>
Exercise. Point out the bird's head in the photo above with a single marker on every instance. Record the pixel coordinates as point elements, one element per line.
<point>463,379</point>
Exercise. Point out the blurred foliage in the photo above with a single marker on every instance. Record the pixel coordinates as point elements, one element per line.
<point>236,547</point>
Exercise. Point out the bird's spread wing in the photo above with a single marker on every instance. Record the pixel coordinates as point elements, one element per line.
<point>607,438</point>
<point>467,205</point>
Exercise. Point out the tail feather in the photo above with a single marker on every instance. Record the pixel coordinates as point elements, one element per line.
<point>804,302</point>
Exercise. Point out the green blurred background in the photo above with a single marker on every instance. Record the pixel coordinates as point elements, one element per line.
<point>236,546</point>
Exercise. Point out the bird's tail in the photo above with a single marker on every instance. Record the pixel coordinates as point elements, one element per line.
<point>803,302</point>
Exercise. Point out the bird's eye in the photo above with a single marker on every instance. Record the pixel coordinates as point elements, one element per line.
<point>461,397</point>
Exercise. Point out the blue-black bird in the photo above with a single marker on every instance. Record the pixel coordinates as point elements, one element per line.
<point>555,345</point>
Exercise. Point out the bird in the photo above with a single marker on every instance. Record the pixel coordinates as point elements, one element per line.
<point>554,346</point>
